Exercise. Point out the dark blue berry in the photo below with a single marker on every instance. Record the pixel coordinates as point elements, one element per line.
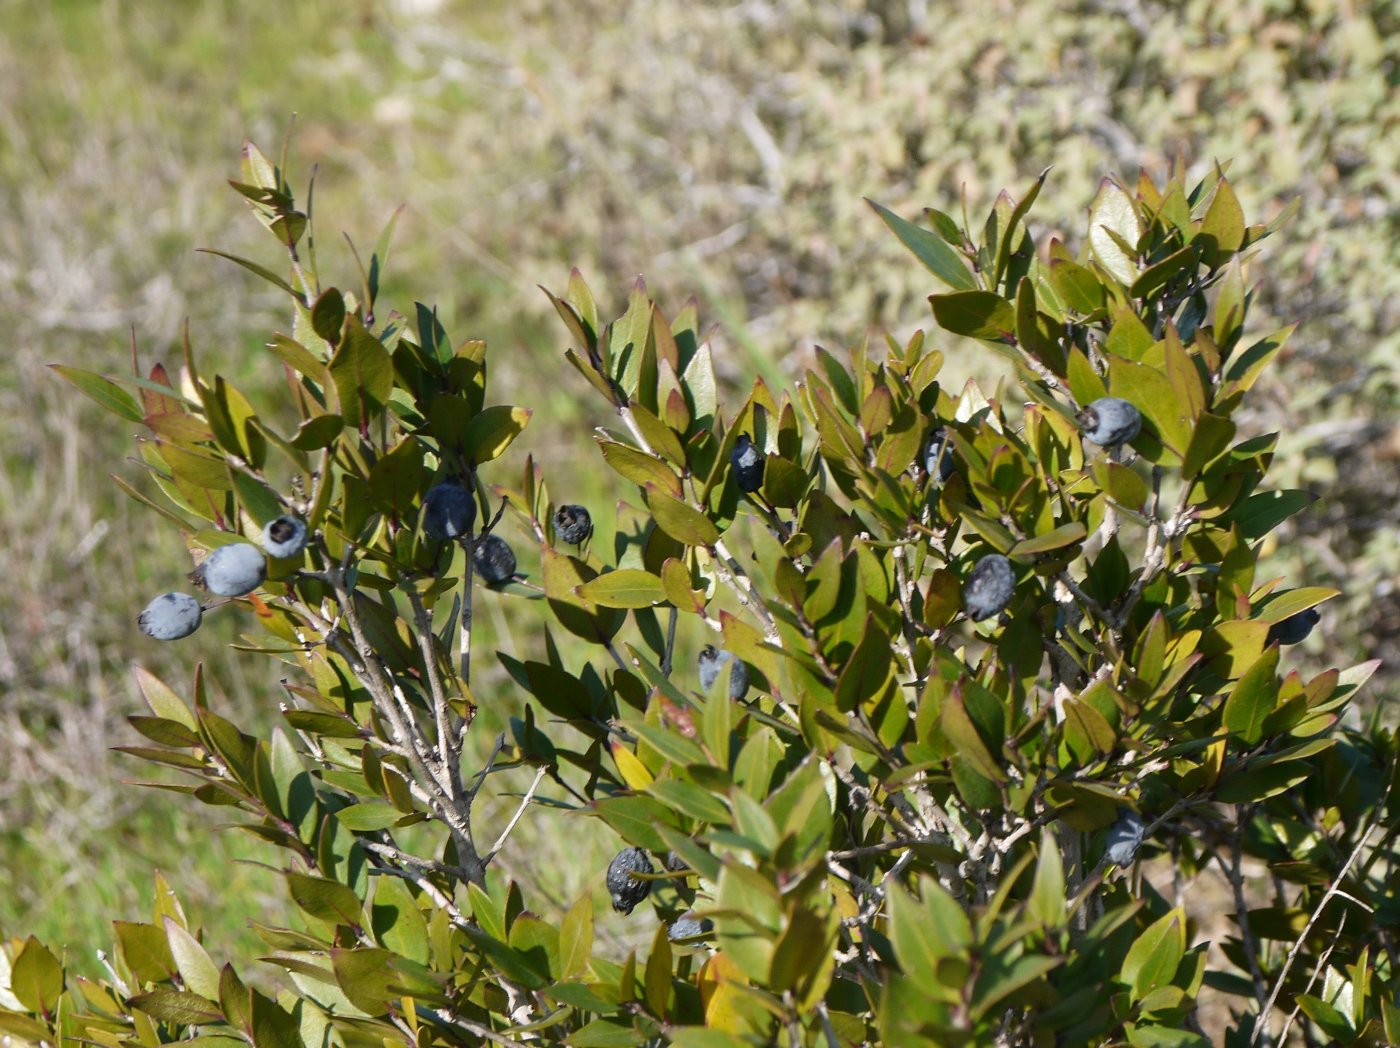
<point>284,537</point>
<point>1110,421</point>
<point>1124,838</point>
<point>232,571</point>
<point>712,660</point>
<point>689,926</point>
<point>938,456</point>
<point>495,560</point>
<point>448,511</point>
<point>989,588</point>
<point>747,462</point>
<point>171,616</point>
<point>1295,628</point>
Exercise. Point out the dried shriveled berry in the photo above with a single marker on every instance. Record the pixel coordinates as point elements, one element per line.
<point>1124,838</point>
<point>747,462</point>
<point>285,536</point>
<point>232,571</point>
<point>573,525</point>
<point>626,890</point>
<point>989,588</point>
<point>448,511</point>
<point>495,560</point>
<point>171,616</point>
<point>712,660</point>
<point>1295,628</point>
<point>1110,421</point>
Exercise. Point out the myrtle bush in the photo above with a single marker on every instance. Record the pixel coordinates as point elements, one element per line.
<point>989,695</point>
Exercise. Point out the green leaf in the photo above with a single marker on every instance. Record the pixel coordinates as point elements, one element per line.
<point>491,431</point>
<point>867,671</point>
<point>624,588</point>
<point>656,983</point>
<point>680,520</point>
<point>146,951</point>
<point>639,467</point>
<point>941,259</point>
<point>366,977</point>
<point>976,314</point>
<point>253,267</point>
<point>103,391</point>
<point>362,373</point>
<point>1047,900</point>
<point>1253,698</point>
<point>368,816</point>
<point>325,899</point>
<point>1222,228</point>
<point>1152,960</point>
<point>690,800</point>
<point>1262,512</point>
<point>1064,535</point>
<point>606,1033</point>
<point>1112,212</point>
<point>198,971</point>
<point>36,977</point>
<point>636,819</point>
<point>966,740</point>
<point>576,938</point>
<point>177,1006</point>
<point>749,918</point>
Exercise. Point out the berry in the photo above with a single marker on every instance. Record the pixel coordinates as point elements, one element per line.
<point>689,926</point>
<point>675,864</point>
<point>938,456</point>
<point>170,616</point>
<point>1295,628</point>
<point>232,571</point>
<point>284,537</point>
<point>448,511</point>
<point>1110,421</point>
<point>712,660</point>
<point>1124,838</point>
<point>573,525</point>
<point>626,890</point>
<point>989,588</point>
<point>495,560</point>
<point>747,462</point>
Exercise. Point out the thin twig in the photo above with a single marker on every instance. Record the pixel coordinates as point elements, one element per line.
<point>524,803</point>
<point>1332,890</point>
<point>1234,875</point>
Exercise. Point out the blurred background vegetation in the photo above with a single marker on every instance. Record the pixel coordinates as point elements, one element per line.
<point>720,148</point>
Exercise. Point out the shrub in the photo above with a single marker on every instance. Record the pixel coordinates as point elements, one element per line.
<point>911,828</point>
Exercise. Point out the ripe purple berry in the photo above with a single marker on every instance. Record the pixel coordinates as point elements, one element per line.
<point>747,462</point>
<point>284,537</point>
<point>448,511</point>
<point>1295,628</point>
<point>626,890</point>
<point>231,571</point>
<point>1110,421</point>
<point>712,660</point>
<point>1124,838</point>
<point>572,524</point>
<point>495,560</point>
<point>171,616</point>
<point>989,588</point>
